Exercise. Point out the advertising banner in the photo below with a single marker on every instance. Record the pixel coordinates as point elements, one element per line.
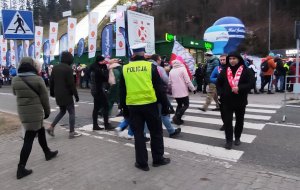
<point>71,34</point>
<point>80,47</point>
<point>46,52</point>
<point>31,50</point>
<point>3,45</point>
<point>26,47</point>
<point>63,43</point>
<point>38,38</point>
<point>107,40</point>
<point>53,38</point>
<point>141,30</point>
<point>120,22</point>
<point>93,25</point>
<point>12,52</point>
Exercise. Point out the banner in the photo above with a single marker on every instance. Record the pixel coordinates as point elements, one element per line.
<point>8,58</point>
<point>20,52</point>
<point>26,47</point>
<point>71,34</point>
<point>31,50</point>
<point>141,30</point>
<point>53,38</point>
<point>93,24</point>
<point>12,52</point>
<point>123,32</point>
<point>120,22</point>
<point>107,40</point>
<point>63,43</point>
<point>180,53</point>
<point>38,41</point>
<point>3,45</point>
<point>80,47</point>
<point>46,52</point>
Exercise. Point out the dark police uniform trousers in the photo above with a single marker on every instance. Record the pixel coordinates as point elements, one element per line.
<point>148,113</point>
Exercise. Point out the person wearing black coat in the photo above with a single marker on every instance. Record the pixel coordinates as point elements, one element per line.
<point>63,88</point>
<point>233,93</point>
<point>99,89</point>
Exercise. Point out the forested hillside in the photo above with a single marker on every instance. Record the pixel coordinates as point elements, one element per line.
<point>193,17</point>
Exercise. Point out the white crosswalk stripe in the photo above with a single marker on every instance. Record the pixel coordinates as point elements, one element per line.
<point>217,113</point>
<point>205,126</point>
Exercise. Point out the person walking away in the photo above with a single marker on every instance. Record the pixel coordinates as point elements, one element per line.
<point>213,78</point>
<point>99,78</point>
<point>33,107</point>
<point>267,75</point>
<point>180,84</point>
<point>233,84</point>
<point>280,75</point>
<point>141,90</point>
<point>211,62</point>
<point>62,87</point>
<point>173,132</point>
<point>254,71</point>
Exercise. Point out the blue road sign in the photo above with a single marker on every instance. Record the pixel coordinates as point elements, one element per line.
<point>17,24</point>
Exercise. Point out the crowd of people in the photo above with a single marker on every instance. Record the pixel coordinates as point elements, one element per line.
<point>143,90</point>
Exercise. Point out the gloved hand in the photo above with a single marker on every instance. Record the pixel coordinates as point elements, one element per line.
<point>46,116</point>
<point>77,99</point>
<point>195,91</point>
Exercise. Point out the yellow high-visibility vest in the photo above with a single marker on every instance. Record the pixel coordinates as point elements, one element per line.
<point>138,80</point>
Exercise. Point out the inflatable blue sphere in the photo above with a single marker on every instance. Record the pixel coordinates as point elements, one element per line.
<point>219,36</point>
<point>236,30</point>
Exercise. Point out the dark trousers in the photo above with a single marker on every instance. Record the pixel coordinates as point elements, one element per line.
<point>138,116</point>
<point>100,102</point>
<point>222,113</point>
<point>28,141</point>
<point>267,80</point>
<point>63,109</point>
<point>239,112</point>
<point>182,106</point>
<point>254,85</point>
<point>199,81</point>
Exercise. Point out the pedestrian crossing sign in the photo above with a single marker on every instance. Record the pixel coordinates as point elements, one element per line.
<point>17,24</point>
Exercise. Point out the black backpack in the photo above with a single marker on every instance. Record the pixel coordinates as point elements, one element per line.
<point>264,66</point>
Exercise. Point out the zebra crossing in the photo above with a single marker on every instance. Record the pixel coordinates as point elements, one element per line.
<point>200,132</point>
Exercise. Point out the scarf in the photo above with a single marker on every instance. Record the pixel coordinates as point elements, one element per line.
<point>233,82</point>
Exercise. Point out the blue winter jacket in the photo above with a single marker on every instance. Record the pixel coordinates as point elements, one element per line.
<point>214,75</point>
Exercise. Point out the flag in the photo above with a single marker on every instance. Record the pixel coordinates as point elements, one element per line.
<point>120,22</point>
<point>123,32</point>
<point>80,47</point>
<point>20,52</point>
<point>107,40</point>
<point>3,45</point>
<point>93,25</point>
<point>12,52</point>
<point>71,34</point>
<point>63,43</point>
<point>31,50</point>
<point>38,41</point>
<point>181,54</point>
<point>53,38</point>
<point>26,47</point>
<point>46,52</point>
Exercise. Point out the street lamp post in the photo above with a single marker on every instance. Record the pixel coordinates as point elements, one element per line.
<point>270,14</point>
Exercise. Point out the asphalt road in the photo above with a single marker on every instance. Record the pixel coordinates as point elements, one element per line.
<point>276,147</point>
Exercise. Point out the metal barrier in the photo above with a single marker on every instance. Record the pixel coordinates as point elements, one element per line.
<point>295,91</point>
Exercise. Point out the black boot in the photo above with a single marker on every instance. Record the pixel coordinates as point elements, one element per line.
<point>49,155</point>
<point>108,127</point>
<point>228,145</point>
<point>22,172</point>
<point>97,128</point>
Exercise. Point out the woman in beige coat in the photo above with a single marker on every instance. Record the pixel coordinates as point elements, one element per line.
<point>33,107</point>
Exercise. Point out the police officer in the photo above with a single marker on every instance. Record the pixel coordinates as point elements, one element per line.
<point>140,91</point>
